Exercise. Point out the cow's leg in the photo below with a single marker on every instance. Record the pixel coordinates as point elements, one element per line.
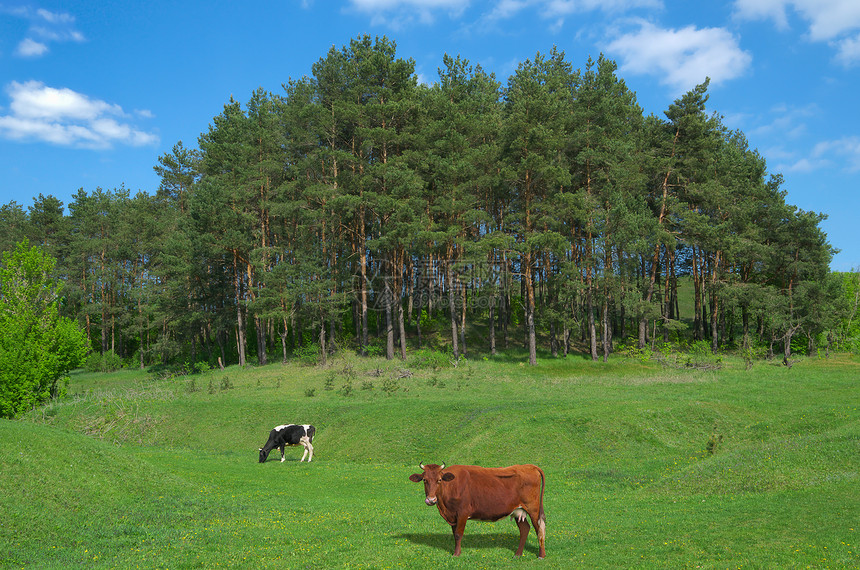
<point>540,528</point>
<point>524,527</point>
<point>282,452</point>
<point>308,449</point>
<point>458,529</point>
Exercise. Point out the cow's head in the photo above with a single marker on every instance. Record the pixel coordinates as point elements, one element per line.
<point>263,455</point>
<point>432,475</point>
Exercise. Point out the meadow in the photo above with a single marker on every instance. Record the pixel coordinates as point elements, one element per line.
<point>647,466</point>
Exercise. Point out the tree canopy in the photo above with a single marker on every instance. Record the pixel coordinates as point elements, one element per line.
<point>359,205</point>
<point>38,347</point>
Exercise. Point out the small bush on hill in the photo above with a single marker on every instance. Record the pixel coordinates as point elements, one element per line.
<point>308,354</point>
<point>107,362</point>
<point>429,359</point>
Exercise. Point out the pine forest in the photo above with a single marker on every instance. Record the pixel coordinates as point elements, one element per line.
<point>362,209</point>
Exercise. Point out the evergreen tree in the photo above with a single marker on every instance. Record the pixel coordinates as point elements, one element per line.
<point>537,105</point>
<point>606,193</point>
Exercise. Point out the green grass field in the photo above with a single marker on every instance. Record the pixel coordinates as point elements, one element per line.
<point>646,467</point>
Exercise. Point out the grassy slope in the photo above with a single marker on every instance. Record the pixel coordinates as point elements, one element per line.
<point>167,475</point>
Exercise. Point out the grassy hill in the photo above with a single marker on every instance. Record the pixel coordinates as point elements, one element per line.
<point>646,466</point>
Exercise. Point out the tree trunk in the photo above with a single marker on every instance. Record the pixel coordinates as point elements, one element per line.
<point>592,331</point>
<point>362,261</point>
<point>452,309</point>
<point>607,329</point>
<point>323,355</point>
<point>530,310</point>
<point>786,347</point>
<point>283,336</point>
<point>241,341</point>
<point>463,305</point>
<point>492,325</point>
<point>260,325</point>
<point>389,322</point>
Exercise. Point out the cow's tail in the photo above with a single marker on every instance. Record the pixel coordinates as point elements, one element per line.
<point>542,516</point>
<point>541,526</point>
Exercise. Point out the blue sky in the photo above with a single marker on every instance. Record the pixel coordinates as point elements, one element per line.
<point>92,93</point>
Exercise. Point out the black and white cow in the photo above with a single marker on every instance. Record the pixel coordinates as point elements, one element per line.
<point>290,434</point>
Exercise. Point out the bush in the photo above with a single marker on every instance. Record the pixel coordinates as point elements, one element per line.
<point>347,389</point>
<point>307,354</point>
<point>852,345</point>
<point>107,362</point>
<point>390,385</point>
<point>429,359</point>
<point>38,347</point>
<point>375,347</point>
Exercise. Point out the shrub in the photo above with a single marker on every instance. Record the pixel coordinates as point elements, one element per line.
<point>107,362</point>
<point>390,385</point>
<point>307,354</point>
<point>714,442</point>
<point>38,347</point>
<point>346,389</point>
<point>853,345</point>
<point>376,347</point>
<point>329,381</point>
<point>432,359</point>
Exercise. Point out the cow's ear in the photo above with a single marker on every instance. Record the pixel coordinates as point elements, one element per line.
<point>416,478</point>
<point>448,477</point>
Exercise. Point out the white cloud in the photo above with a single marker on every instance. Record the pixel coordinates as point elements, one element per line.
<point>836,154</point>
<point>566,7</point>
<point>374,5</point>
<point>509,8</point>
<point>557,10</point>
<point>827,19</point>
<point>31,48</point>
<point>847,148</point>
<point>45,27</point>
<point>834,21</point>
<point>681,59</point>
<point>55,18</point>
<point>67,118</point>
<point>34,100</point>
<point>804,165</point>
<point>763,10</point>
<point>400,13</point>
<point>848,51</point>
<point>785,122</point>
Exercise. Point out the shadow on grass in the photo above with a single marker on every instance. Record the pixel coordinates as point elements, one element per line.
<point>518,356</point>
<point>287,459</point>
<point>445,541</point>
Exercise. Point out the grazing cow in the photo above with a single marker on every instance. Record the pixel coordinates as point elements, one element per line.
<point>464,492</point>
<point>290,434</point>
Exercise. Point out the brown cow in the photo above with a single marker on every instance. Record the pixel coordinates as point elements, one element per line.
<point>464,492</point>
